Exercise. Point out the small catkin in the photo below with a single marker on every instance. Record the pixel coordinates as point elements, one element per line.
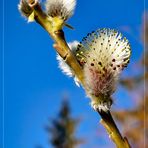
<point>24,8</point>
<point>60,8</point>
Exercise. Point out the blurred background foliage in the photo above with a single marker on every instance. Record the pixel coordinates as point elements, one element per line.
<point>62,129</point>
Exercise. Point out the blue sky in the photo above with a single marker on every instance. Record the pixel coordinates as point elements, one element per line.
<point>34,85</point>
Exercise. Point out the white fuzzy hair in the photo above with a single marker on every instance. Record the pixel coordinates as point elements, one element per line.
<point>64,67</point>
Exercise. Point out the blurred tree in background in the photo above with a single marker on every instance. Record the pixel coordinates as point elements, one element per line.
<point>62,131</point>
<point>135,121</point>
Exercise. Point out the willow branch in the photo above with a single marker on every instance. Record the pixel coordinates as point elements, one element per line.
<point>59,38</point>
<point>114,133</point>
<point>64,51</point>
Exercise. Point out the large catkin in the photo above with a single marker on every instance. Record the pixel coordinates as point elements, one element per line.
<point>104,54</point>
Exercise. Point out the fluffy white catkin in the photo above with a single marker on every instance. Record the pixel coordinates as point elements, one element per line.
<point>103,54</point>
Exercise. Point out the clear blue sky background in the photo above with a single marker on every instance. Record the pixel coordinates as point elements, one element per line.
<point>34,85</point>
